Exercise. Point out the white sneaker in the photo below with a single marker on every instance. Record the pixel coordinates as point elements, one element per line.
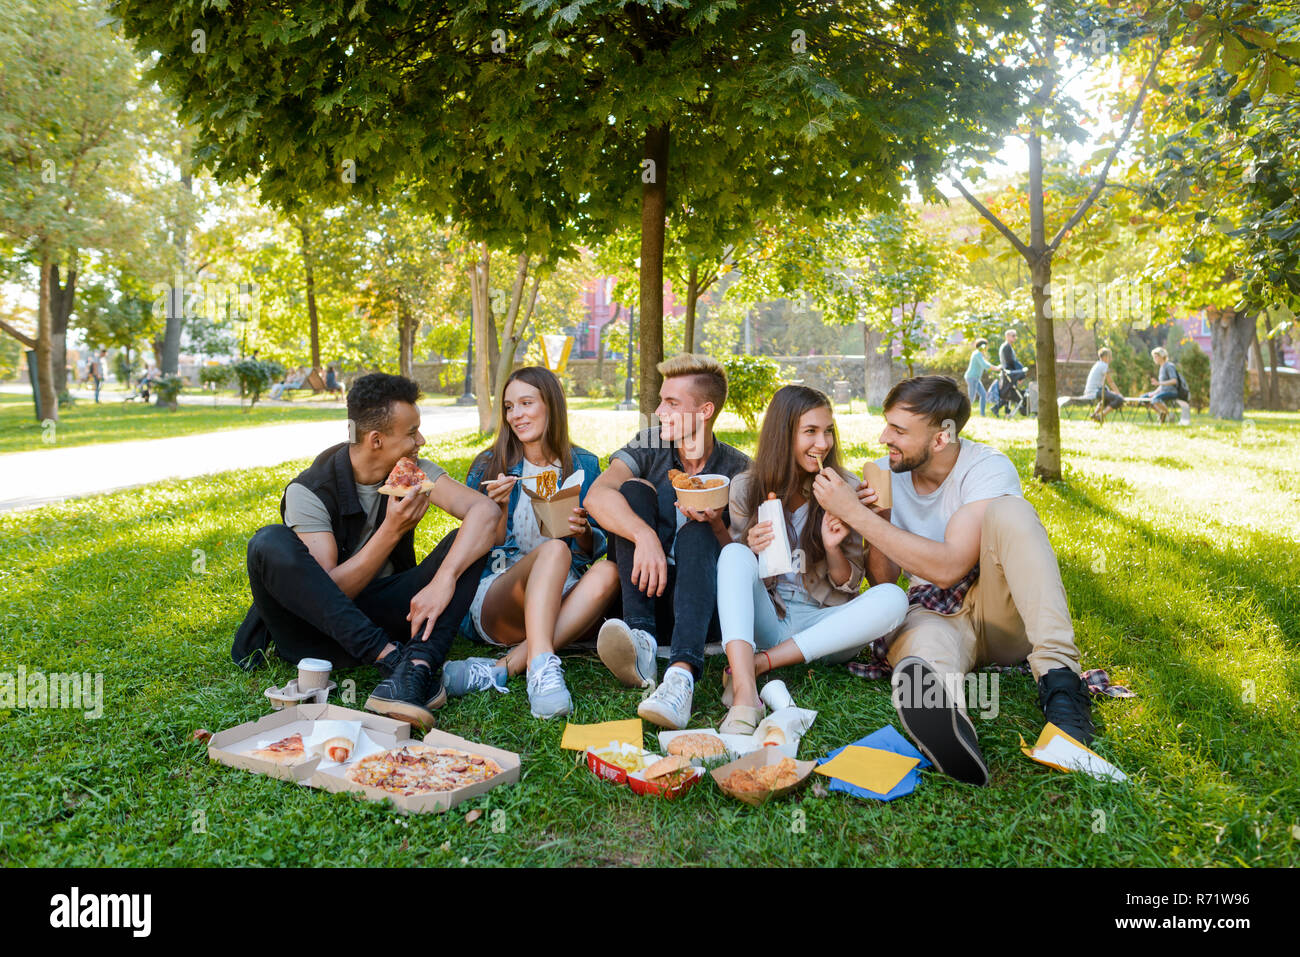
<point>629,653</point>
<point>548,696</point>
<point>669,705</point>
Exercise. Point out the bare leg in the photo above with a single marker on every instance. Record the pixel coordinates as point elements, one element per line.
<point>578,612</point>
<point>744,687</point>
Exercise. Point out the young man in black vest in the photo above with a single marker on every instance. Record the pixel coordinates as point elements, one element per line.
<point>339,580</point>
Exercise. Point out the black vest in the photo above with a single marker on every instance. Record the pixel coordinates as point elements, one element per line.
<point>331,480</point>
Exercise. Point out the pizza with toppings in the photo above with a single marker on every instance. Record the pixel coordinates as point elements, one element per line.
<point>405,478</point>
<point>285,751</point>
<point>421,769</point>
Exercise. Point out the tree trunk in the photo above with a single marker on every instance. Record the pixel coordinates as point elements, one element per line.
<point>654,208</point>
<point>481,309</point>
<point>312,317</point>
<point>61,298</point>
<point>1047,461</point>
<point>878,365</point>
<point>1262,397</point>
<point>169,361</point>
<point>406,339</point>
<point>692,297</point>
<point>516,323</point>
<point>1230,335</point>
<point>49,397</point>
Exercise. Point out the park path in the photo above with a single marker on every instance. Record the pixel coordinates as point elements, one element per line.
<point>52,475</point>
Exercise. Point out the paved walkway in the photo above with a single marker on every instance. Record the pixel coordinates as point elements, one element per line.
<point>52,475</point>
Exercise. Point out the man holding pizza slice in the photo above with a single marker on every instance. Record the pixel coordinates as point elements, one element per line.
<point>339,579</point>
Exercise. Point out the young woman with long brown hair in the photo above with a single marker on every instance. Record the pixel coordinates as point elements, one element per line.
<point>815,611</point>
<point>537,594</point>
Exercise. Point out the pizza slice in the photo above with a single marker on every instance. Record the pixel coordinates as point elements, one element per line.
<point>285,751</point>
<point>405,478</point>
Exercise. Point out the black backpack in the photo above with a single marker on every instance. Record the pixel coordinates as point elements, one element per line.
<point>1184,394</point>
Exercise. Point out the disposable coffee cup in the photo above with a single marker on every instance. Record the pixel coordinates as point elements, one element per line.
<point>776,696</point>
<point>313,674</point>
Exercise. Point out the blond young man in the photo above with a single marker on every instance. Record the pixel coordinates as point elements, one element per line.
<point>667,556</point>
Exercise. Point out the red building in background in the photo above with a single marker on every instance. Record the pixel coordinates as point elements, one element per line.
<point>599,309</point>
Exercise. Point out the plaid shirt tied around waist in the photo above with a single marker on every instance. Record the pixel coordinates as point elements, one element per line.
<point>945,601</point>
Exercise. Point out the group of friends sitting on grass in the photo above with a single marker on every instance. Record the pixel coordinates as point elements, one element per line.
<point>339,578</point>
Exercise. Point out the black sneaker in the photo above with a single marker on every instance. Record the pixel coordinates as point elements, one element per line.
<point>411,693</point>
<point>1066,704</point>
<point>388,664</point>
<point>940,729</point>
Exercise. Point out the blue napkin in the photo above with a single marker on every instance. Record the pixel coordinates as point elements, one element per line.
<point>886,739</point>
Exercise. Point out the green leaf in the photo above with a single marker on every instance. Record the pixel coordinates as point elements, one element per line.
<point>1234,54</point>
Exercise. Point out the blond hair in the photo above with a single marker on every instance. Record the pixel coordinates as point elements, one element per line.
<point>710,376</point>
<point>1160,351</point>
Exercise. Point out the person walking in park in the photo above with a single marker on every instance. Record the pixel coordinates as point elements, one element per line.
<point>1012,373</point>
<point>1099,379</point>
<point>985,586</point>
<point>667,556</point>
<point>338,579</point>
<point>814,612</point>
<point>975,369</point>
<point>537,593</point>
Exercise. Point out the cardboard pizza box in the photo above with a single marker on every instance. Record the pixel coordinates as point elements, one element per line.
<point>879,479</point>
<point>762,756</point>
<point>553,512</point>
<point>232,746</point>
<point>333,778</point>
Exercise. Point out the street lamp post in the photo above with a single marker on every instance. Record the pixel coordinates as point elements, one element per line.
<point>627,405</point>
<point>468,397</point>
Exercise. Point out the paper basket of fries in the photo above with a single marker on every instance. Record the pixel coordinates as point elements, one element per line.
<point>700,491</point>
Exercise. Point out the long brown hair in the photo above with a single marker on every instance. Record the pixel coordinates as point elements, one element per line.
<point>507,450</point>
<point>774,468</point>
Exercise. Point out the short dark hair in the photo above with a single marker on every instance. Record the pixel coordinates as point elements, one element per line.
<point>981,343</point>
<point>936,397</point>
<point>371,398</point>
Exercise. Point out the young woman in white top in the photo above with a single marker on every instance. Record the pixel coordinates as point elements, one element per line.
<point>816,611</point>
<point>537,593</point>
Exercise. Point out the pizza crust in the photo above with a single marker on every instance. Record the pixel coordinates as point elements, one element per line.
<point>401,491</point>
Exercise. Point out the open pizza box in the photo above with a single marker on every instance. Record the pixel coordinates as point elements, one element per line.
<point>233,746</point>
<point>332,778</point>
<point>553,512</point>
<point>760,758</point>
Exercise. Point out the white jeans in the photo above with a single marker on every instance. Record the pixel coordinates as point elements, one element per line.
<point>833,632</point>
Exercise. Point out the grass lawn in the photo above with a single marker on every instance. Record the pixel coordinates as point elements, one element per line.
<point>1178,550</point>
<point>112,421</point>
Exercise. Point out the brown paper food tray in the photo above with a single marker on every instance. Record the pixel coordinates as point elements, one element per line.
<point>332,779</point>
<point>553,513</point>
<point>230,747</point>
<point>704,498</point>
<point>879,479</point>
<point>755,759</point>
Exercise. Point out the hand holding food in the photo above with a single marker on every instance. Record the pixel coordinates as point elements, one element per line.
<point>578,521</point>
<point>498,489</point>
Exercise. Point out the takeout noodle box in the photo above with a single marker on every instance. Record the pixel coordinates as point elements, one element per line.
<point>553,513</point>
<point>639,785</point>
<point>607,770</point>
<point>879,480</point>
<point>333,778</point>
<point>233,747</point>
<point>707,497</point>
<point>759,758</point>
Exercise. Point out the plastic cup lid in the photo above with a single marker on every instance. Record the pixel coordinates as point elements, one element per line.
<point>314,664</point>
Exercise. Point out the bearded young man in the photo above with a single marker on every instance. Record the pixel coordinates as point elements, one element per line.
<point>985,584</point>
<point>339,579</point>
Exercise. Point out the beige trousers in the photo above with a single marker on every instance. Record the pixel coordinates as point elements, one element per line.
<point>1016,610</point>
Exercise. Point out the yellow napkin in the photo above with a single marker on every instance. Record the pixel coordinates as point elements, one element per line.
<point>580,737</point>
<point>870,768</point>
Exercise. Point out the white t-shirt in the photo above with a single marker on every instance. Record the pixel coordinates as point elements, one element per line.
<point>980,472</point>
<point>1096,379</point>
<point>528,535</point>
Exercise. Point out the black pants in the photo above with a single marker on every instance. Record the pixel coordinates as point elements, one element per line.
<point>688,608</point>
<point>309,617</point>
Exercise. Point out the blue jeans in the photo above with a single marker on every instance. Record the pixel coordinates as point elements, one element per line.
<point>975,387</point>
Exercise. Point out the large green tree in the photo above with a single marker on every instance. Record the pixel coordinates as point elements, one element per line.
<point>537,124</point>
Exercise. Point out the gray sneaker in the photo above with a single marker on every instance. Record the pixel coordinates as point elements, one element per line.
<point>473,674</point>
<point>669,705</point>
<point>548,697</point>
<point>629,653</point>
